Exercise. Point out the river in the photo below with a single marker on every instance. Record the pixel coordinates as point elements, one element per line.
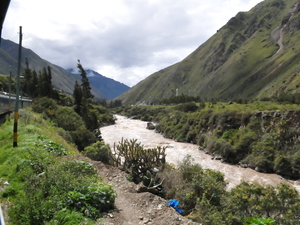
<point>135,129</point>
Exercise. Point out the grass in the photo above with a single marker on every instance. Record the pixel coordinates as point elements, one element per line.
<point>30,127</point>
<point>42,183</point>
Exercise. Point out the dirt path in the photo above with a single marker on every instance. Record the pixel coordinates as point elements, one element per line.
<point>134,208</point>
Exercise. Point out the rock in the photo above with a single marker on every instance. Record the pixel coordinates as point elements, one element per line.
<point>264,115</point>
<point>277,114</point>
<point>217,157</point>
<point>150,126</point>
<point>257,169</point>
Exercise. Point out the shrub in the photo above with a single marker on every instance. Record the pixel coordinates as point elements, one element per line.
<point>187,107</point>
<point>67,118</point>
<point>98,151</point>
<point>191,184</point>
<point>45,105</point>
<point>62,185</point>
<point>69,217</point>
<point>282,165</point>
<point>280,202</point>
<point>82,137</point>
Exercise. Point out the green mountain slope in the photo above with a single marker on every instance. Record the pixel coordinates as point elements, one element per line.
<point>242,60</point>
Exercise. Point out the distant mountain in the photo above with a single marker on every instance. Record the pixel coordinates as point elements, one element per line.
<point>254,55</point>
<point>109,87</point>
<point>61,78</point>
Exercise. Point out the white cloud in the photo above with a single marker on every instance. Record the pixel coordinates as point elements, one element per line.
<point>126,40</point>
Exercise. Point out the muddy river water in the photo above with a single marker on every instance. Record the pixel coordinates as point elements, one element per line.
<point>135,129</point>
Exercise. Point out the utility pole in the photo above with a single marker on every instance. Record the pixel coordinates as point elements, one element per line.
<point>16,116</point>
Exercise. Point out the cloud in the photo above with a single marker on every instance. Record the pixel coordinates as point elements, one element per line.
<point>126,40</point>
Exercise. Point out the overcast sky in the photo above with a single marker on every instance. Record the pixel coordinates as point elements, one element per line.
<point>126,40</point>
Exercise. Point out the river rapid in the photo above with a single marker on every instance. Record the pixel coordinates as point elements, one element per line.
<point>135,129</point>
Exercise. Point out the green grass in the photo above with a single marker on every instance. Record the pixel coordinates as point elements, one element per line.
<point>43,185</point>
<point>30,128</point>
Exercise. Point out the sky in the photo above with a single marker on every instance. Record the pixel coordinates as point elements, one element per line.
<point>126,40</point>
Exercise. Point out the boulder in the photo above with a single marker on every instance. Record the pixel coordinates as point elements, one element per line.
<point>150,126</point>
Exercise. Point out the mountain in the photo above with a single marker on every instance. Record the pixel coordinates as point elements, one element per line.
<point>109,87</point>
<point>254,55</point>
<point>61,78</point>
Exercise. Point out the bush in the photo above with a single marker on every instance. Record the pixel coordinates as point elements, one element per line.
<point>187,107</point>
<point>45,105</point>
<point>82,137</point>
<point>136,160</point>
<point>69,217</point>
<point>191,184</point>
<point>251,200</point>
<point>67,118</point>
<point>98,151</point>
<point>65,185</point>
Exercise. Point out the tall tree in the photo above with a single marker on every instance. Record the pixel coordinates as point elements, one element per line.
<point>77,94</point>
<point>27,81</point>
<point>35,85</point>
<point>85,84</point>
<point>45,84</point>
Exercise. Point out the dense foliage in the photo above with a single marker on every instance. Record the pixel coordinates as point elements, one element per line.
<point>46,184</point>
<point>203,198</point>
<point>260,135</point>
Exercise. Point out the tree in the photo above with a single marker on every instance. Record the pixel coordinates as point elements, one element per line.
<point>44,83</point>
<point>35,84</point>
<point>85,85</point>
<point>77,94</point>
<point>27,81</point>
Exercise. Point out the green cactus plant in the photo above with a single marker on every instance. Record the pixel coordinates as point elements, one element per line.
<point>133,158</point>
<point>151,181</point>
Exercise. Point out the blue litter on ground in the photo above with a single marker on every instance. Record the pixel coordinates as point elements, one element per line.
<point>174,204</point>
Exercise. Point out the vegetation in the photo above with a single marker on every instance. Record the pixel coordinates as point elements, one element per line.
<point>137,161</point>
<point>203,198</point>
<point>98,151</point>
<point>202,192</point>
<point>259,135</point>
<point>47,184</point>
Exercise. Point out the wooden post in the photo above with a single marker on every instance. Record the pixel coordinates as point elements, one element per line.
<point>16,116</point>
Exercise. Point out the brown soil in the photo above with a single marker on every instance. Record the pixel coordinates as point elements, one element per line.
<point>132,207</point>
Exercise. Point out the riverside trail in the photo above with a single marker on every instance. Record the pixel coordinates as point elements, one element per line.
<point>135,129</point>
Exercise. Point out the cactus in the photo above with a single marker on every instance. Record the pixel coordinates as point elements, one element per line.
<point>151,181</point>
<point>134,159</point>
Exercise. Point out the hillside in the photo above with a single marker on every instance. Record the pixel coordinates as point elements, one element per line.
<point>61,78</point>
<point>254,55</point>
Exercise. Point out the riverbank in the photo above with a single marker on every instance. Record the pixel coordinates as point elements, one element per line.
<point>135,129</point>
